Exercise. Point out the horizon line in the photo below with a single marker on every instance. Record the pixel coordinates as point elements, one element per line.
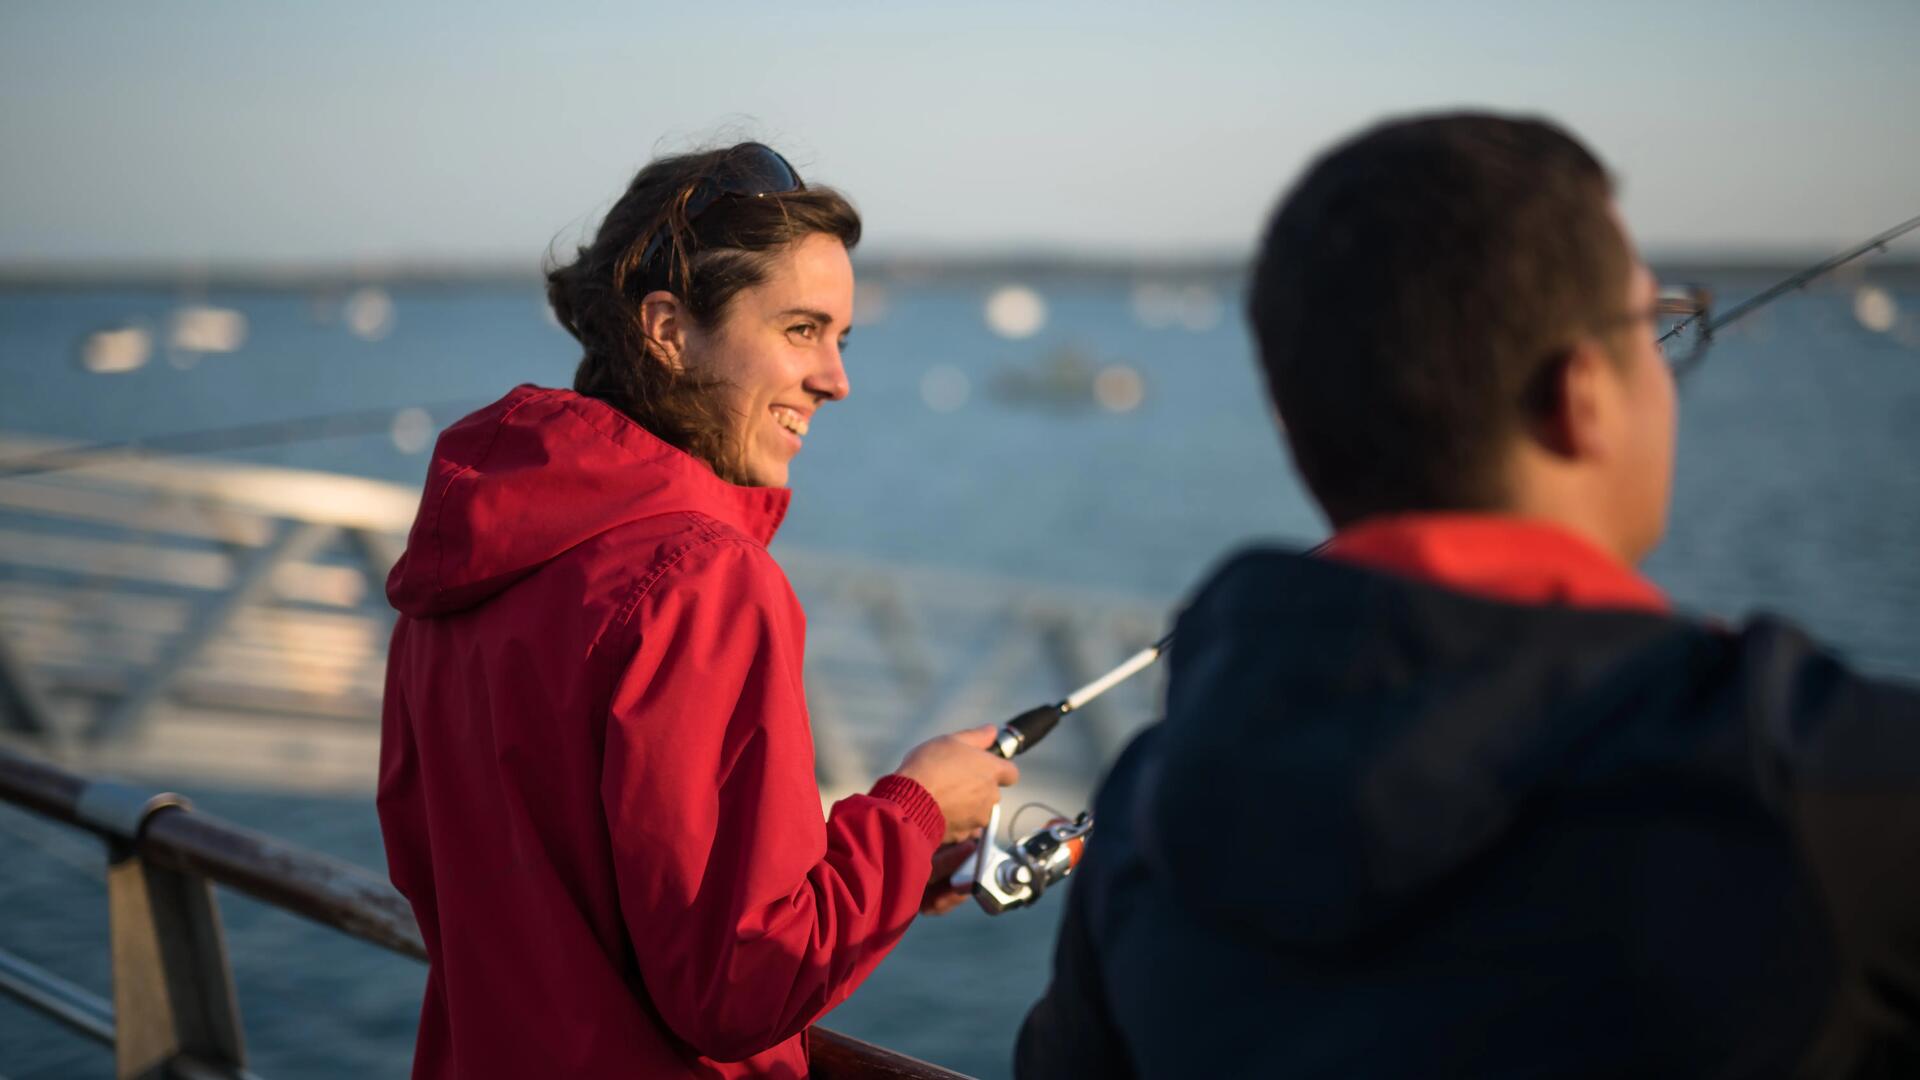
<point>930,262</point>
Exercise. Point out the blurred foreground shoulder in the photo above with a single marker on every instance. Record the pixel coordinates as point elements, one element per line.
<point>1070,1032</point>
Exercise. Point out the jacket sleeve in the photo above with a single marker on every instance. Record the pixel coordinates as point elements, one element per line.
<point>1848,753</point>
<point>749,915</point>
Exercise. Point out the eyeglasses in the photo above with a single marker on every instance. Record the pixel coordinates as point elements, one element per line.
<point>1682,330</point>
<point>1682,327</point>
<point>749,171</point>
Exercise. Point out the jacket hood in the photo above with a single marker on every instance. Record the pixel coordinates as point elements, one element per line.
<point>536,473</point>
<point>1341,743</point>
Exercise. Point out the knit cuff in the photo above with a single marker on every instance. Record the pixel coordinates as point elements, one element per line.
<point>910,797</point>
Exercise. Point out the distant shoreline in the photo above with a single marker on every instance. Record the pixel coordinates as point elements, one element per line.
<point>932,268</point>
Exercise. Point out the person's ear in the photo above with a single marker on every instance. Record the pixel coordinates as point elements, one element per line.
<point>1573,403</point>
<point>663,321</point>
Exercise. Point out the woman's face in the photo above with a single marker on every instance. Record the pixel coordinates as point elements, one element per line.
<point>775,354</point>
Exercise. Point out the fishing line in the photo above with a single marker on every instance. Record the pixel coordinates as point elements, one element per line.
<point>239,437</point>
<point>1013,823</point>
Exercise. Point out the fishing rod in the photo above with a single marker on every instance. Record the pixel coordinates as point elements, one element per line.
<point>1003,878</point>
<point>1020,733</point>
<point>1709,325</point>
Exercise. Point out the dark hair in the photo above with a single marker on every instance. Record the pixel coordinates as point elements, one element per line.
<point>1412,293</point>
<point>706,262</point>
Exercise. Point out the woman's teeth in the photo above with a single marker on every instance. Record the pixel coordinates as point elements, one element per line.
<point>790,420</point>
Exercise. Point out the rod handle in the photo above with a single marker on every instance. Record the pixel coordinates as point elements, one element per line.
<point>1020,733</point>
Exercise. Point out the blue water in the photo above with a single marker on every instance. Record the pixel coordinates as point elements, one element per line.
<point>1798,490</point>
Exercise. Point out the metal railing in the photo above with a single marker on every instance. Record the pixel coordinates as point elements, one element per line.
<point>174,1011</point>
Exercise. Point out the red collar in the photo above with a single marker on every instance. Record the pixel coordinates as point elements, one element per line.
<point>1510,559</point>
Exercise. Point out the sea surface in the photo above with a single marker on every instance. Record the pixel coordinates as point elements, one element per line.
<point>973,439</point>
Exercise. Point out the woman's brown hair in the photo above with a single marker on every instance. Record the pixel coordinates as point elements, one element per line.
<point>706,262</point>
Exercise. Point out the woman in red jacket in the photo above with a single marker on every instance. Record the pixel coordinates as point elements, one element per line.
<point>597,785</point>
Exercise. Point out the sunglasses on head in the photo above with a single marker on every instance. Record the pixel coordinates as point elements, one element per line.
<point>749,171</point>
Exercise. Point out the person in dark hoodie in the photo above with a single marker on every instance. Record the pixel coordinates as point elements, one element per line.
<point>596,778</point>
<point>1459,794</point>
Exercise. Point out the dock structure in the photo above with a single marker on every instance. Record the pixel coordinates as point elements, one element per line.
<point>222,622</point>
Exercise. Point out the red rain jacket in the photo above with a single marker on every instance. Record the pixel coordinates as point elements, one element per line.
<point>596,772</point>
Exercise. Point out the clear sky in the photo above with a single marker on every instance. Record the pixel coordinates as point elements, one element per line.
<point>355,131</point>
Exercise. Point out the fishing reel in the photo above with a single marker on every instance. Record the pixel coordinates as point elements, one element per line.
<point>1018,874</point>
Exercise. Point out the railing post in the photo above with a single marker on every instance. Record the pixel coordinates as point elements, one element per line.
<point>173,995</point>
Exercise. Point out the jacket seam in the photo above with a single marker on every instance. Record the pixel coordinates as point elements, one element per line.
<point>710,533</point>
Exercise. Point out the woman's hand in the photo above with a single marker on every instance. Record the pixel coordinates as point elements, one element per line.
<point>962,775</point>
<point>941,897</point>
